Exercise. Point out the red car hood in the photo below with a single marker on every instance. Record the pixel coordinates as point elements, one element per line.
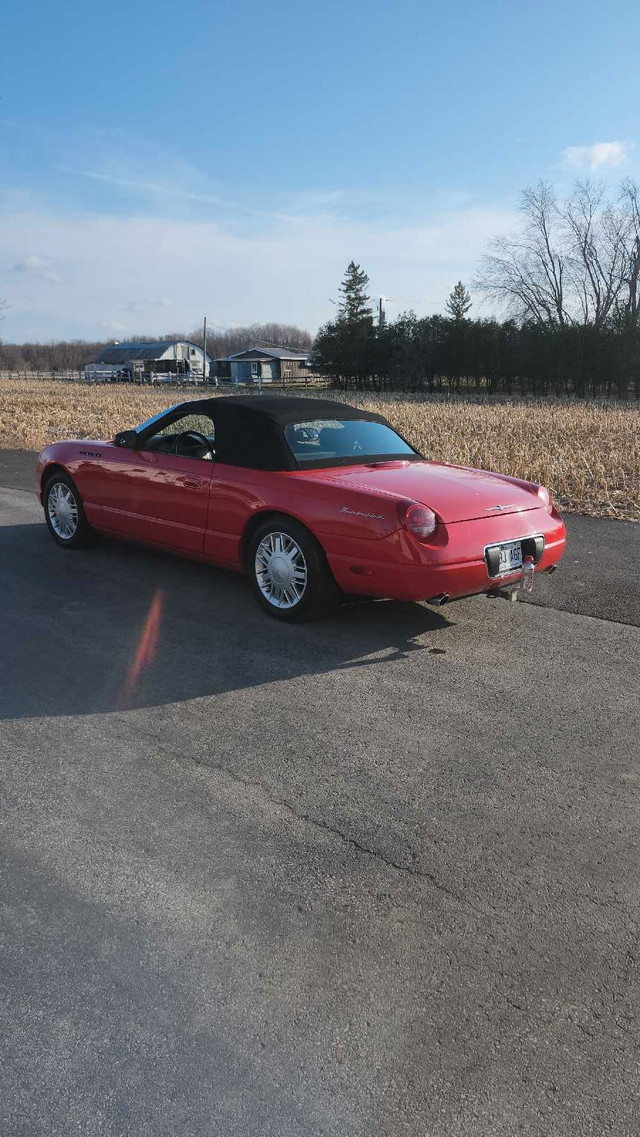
<point>453,492</point>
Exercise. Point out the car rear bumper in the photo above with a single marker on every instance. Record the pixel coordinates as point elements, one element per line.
<point>404,569</point>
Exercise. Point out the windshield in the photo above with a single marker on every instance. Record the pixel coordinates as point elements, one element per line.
<point>341,442</point>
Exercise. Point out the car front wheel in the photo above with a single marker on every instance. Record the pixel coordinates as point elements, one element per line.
<point>289,572</point>
<point>65,515</point>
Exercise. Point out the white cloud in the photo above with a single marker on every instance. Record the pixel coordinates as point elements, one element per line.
<point>284,269</point>
<point>35,265</point>
<point>601,155</point>
<point>155,188</point>
<point>143,305</point>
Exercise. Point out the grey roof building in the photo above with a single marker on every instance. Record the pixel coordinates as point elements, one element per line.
<point>162,358</point>
<point>264,365</point>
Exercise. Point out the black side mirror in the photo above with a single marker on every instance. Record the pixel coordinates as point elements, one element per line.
<point>127,438</point>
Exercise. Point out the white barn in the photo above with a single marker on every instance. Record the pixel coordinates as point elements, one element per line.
<point>163,361</point>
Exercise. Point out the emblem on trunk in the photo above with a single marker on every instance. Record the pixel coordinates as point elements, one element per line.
<point>488,507</point>
<point>358,513</point>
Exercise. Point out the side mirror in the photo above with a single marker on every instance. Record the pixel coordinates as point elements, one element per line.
<point>127,438</point>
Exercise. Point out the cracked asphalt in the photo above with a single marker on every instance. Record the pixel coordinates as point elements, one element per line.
<point>374,876</point>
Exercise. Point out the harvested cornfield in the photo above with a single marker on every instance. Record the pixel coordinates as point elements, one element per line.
<point>587,453</point>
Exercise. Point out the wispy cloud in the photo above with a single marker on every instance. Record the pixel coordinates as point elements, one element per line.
<point>154,189</point>
<point>172,190</point>
<point>284,269</point>
<point>179,186</point>
<point>599,156</point>
<point>318,200</point>
<point>37,266</point>
<point>147,305</point>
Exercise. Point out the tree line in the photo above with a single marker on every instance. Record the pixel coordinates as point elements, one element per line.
<point>445,354</point>
<point>569,280</point>
<point>73,355</point>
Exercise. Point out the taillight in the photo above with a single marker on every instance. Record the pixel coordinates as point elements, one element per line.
<point>545,498</point>
<point>418,519</point>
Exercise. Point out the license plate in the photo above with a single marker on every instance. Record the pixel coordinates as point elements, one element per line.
<point>510,556</point>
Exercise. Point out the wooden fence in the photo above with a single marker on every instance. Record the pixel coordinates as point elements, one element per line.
<point>64,376</point>
<point>306,381</point>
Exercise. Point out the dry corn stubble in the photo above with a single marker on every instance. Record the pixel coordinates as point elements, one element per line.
<point>588,454</point>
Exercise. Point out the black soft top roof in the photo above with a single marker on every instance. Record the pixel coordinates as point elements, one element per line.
<point>250,428</point>
<point>282,409</point>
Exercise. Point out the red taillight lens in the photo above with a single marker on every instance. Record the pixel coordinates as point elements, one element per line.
<point>418,519</point>
<point>545,498</point>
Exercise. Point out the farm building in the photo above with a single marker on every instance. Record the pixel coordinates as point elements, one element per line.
<point>263,365</point>
<point>166,360</point>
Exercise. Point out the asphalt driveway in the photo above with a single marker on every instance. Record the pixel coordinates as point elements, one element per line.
<point>378,875</point>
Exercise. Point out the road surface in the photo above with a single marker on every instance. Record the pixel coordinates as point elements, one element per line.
<point>374,876</point>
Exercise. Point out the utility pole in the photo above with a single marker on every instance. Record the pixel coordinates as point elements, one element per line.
<point>204,350</point>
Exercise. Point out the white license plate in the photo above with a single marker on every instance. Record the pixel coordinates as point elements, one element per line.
<point>510,556</point>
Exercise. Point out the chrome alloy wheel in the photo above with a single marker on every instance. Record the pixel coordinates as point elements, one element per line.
<point>62,508</point>
<point>281,570</point>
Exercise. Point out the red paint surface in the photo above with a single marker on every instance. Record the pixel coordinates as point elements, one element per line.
<point>202,509</point>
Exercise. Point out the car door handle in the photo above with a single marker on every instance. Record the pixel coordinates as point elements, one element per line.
<point>192,483</point>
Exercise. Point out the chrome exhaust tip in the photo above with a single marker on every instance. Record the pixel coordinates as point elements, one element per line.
<point>439,600</point>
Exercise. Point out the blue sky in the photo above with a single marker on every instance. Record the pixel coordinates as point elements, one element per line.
<point>161,161</point>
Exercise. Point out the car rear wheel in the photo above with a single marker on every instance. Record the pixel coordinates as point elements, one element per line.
<point>64,513</point>
<point>289,572</point>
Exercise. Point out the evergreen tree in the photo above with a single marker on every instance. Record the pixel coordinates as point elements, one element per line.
<point>459,302</point>
<point>355,304</point>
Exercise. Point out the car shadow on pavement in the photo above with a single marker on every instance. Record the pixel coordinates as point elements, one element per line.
<point>119,627</point>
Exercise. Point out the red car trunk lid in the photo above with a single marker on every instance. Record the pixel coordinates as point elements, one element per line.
<point>453,492</point>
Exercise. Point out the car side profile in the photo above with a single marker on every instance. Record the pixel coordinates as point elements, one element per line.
<point>312,498</point>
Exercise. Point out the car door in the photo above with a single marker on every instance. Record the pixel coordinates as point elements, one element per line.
<point>156,495</point>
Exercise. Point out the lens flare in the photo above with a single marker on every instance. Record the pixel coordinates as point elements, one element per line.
<point>148,642</point>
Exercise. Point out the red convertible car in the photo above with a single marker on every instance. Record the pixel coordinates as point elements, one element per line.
<point>314,499</point>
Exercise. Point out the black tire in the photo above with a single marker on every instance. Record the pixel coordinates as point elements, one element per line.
<point>80,535</point>
<point>319,593</point>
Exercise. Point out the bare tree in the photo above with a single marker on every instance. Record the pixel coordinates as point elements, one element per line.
<point>575,262</point>
<point>526,272</point>
<point>596,238</point>
<point>630,306</point>
<point>75,354</point>
<point>221,343</point>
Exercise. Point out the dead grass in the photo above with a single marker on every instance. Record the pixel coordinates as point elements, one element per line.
<point>588,454</point>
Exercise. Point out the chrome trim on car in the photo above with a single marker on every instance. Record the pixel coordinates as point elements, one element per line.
<point>156,418</point>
